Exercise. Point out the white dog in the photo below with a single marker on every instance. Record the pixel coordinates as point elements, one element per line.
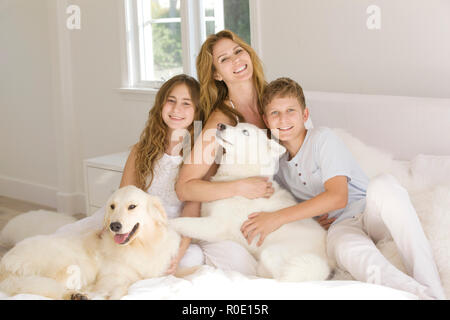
<point>294,252</point>
<point>134,244</point>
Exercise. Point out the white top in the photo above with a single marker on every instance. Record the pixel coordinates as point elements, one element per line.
<point>163,184</point>
<point>323,156</point>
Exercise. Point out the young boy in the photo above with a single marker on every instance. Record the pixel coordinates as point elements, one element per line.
<point>323,176</point>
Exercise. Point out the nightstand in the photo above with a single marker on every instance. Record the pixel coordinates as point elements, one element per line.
<point>102,177</point>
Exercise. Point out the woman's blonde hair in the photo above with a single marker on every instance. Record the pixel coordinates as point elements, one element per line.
<point>153,140</point>
<point>213,93</point>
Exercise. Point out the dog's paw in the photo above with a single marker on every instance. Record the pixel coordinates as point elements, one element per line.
<point>78,296</point>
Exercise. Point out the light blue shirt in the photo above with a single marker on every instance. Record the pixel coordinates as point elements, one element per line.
<point>321,157</point>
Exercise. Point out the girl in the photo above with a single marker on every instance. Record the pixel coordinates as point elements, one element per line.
<point>153,162</point>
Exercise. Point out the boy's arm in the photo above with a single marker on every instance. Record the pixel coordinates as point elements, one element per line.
<point>333,198</point>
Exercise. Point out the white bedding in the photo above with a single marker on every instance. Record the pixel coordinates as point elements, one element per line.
<point>427,180</point>
<point>209,283</point>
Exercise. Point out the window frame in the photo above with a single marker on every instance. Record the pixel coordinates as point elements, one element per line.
<point>193,34</point>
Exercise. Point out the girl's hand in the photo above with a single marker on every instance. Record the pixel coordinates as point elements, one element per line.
<point>173,265</point>
<point>255,187</point>
<point>176,260</point>
<point>324,221</point>
<point>262,223</point>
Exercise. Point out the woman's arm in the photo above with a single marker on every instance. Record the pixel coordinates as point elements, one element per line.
<point>191,184</point>
<point>129,172</point>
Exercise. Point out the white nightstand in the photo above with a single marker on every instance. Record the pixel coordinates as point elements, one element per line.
<point>102,177</point>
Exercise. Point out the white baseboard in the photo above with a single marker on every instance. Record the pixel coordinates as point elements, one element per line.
<point>41,194</point>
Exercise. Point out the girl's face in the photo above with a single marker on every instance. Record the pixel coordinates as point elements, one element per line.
<point>178,111</point>
<point>232,62</point>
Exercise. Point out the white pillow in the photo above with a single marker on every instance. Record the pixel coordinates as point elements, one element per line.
<point>372,160</point>
<point>429,171</point>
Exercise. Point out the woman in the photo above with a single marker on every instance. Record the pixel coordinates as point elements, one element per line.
<point>231,84</point>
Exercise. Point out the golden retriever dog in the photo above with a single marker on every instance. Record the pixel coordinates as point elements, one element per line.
<point>135,243</point>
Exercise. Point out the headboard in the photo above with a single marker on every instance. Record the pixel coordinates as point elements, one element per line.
<point>402,126</point>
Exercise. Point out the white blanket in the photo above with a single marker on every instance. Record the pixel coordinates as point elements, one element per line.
<point>209,283</point>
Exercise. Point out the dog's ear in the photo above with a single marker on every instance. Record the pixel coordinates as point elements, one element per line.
<point>276,149</point>
<point>106,216</point>
<point>160,214</point>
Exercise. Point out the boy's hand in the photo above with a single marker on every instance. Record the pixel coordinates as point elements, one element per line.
<point>261,223</point>
<point>324,221</point>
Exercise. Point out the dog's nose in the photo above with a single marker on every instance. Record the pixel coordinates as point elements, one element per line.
<point>115,226</point>
<point>221,126</point>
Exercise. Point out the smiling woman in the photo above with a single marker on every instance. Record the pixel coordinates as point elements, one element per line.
<point>228,70</point>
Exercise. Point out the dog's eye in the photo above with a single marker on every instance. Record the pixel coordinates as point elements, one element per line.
<point>113,206</point>
<point>131,207</point>
<point>245,132</point>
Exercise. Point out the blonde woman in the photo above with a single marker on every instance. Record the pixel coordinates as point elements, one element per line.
<point>231,85</point>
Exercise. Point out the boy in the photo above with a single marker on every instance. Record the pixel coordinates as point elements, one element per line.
<point>323,176</point>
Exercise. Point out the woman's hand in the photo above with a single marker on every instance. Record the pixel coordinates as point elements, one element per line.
<point>254,187</point>
<point>324,221</point>
<point>262,223</point>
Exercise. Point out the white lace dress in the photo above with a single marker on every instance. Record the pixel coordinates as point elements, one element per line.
<point>163,184</point>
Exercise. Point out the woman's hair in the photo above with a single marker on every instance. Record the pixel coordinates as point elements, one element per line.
<point>213,93</point>
<point>153,140</point>
<point>282,88</point>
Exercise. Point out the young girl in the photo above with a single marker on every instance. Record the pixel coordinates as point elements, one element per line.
<point>154,161</point>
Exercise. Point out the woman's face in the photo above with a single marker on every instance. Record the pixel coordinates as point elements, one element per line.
<point>233,64</point>
<point>178,111</point>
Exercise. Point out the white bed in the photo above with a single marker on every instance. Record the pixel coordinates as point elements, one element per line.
<point>414,131</point>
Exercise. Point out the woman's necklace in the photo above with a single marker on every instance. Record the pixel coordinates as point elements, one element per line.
<point>232,104</point>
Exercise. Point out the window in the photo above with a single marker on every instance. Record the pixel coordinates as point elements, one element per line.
<point>164,36</point>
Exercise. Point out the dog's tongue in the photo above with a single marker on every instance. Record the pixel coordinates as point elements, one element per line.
<point>120,238</point>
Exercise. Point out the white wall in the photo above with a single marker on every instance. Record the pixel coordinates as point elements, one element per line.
<point>108,122</point>
<point>326,46</point>
<point>27,143</point>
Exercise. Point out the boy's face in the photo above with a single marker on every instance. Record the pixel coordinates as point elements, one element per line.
<point>285,118</point>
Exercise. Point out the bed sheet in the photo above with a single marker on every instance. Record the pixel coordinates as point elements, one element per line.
<point>209,283</point>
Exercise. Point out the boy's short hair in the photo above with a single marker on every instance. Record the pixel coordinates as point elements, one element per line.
<point>282,88</point>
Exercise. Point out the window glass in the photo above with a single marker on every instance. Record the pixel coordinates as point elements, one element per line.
<point>162,52</point>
